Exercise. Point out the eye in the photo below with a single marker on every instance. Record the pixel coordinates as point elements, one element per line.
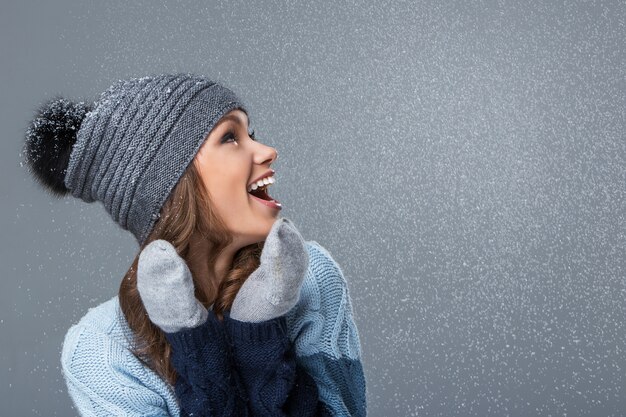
<point>229,135</point>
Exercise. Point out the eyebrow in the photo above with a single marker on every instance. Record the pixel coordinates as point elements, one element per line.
<point>232,118</point>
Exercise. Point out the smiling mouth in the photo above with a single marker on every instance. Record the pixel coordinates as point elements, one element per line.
<point>261,193</point>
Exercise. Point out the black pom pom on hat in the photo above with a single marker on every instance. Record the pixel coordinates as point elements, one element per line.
<point>50,138</point>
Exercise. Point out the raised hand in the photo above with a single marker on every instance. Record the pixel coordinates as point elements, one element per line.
<point>166,288</point>
<point>274,287</point>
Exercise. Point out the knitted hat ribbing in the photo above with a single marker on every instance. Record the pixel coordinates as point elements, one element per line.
<point>138,140</point>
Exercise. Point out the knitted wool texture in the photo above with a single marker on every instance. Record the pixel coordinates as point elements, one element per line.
<point>104,378</point>
<point>137,142</point>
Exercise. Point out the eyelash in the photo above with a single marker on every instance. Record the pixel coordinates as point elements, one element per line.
<point>230,134</point>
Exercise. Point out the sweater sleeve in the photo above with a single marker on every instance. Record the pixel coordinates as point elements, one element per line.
<point>265,360</point>
<point>106,379</point>
<point>326,338</point>
<point>240,369</point>
<point>207,383</point>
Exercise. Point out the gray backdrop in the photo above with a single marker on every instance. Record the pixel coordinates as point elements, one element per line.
<point>464,163</point>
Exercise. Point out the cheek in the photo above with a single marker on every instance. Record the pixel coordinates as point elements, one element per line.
<point>225,184</point>
<point>228,195</point>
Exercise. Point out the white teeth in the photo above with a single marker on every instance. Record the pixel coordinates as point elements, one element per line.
<point>260,183</point>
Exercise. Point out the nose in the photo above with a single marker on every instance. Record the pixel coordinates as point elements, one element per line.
<point>266,154</point>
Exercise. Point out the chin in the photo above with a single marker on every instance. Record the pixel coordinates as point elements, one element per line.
<point>259,237</point>
<point>259,233</point>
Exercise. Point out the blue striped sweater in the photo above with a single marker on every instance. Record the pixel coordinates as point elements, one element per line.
<point>104,377</point>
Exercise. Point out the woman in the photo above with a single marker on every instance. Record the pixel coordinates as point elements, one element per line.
<point>222,293</point>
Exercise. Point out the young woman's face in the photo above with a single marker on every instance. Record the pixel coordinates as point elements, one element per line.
<point>228,161</point>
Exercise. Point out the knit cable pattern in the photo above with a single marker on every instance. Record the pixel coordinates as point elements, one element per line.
<point>104,378</point>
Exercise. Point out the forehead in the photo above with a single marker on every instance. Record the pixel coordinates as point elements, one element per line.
<point>236,116</point>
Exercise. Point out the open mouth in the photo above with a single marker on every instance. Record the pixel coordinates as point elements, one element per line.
<point>261,193</point>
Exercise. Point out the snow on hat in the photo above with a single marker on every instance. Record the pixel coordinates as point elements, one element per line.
<point>129,149</point>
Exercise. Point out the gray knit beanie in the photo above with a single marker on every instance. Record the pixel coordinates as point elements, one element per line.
<point>131,147</point>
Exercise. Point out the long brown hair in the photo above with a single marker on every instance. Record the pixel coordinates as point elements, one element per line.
<point>188,213</point>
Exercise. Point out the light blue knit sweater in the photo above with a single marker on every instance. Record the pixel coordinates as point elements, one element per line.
<point>104,378</point>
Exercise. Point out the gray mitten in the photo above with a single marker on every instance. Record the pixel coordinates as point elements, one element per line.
<point>166,288</point>
<point>274,287</point>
